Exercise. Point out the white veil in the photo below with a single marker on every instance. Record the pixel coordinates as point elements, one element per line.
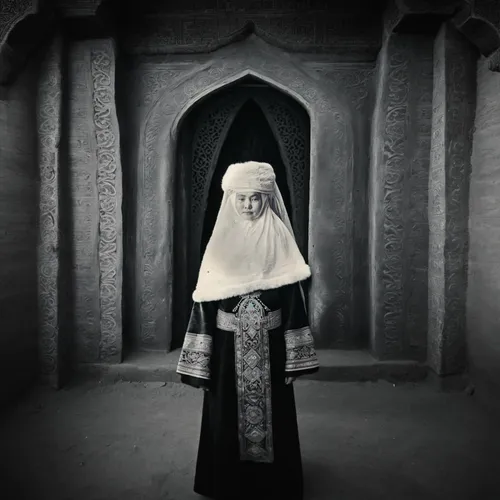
<point>245,256</point>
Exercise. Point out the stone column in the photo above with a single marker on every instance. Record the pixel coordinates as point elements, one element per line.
<point>452,123</point>
<point>96,184</point>
<point>398,245</point>
<point>49,159</point>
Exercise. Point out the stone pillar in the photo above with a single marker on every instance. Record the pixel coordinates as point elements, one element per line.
<point>96,185</point>
<point>49,160</point>
<point>452,123</point>
<point>398,245</point>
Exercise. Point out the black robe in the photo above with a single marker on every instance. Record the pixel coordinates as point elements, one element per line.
<point>241,350</point>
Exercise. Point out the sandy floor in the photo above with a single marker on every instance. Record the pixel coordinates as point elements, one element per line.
<point>134,441</point>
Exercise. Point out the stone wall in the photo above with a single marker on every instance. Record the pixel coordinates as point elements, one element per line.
<point>349,30</point>
<point>18,234</point>
<point>483,304</point>
<point>96,197</point>
<point>452,123</point>
<point>399,173</point>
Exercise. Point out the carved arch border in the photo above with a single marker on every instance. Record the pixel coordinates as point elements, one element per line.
<point>330,141</point>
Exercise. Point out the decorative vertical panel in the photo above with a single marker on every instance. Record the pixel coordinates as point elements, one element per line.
<point>352,83</point>
<point>49,159</point>
<point>398,198</point>
<point>416,240</point>
<point>109,188</point>
<point>389,172</point>
<point>85,205</point>
<point>452,122</point>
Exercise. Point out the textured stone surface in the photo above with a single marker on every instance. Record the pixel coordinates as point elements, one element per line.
<point>483,309</point>
<point>95,179</point>
<point>153,151</point>
<point>319,26</point>
<point>353,83</point>
<point>49,111</point>
<point>398,198</point>
<point>452,122</point>
<point>18,234</point>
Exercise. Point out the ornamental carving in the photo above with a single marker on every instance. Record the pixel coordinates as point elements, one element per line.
<point>350,81</point>
<point>454,80</point>
<point>393,228</point>
<point>155,210</point>
<point>317,29</point>
<point>109,186</point>
<point>84,196</point>
<point>11,13</point>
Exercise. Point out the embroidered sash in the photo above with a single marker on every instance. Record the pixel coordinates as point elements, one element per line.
<point>251,324</point>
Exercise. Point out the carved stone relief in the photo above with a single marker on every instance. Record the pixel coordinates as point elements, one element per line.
<point>392,266</point>
<point>454,83</point>
<point>11,13</point>
<point>157,167</point>
<point>417,228</point>
<point>351,81</point>
<point>49,133</point>
<point>400,151</point>
<point>96,195</point>
<point>85,208</point>
<point>319,28</point>
<point>109,187</point>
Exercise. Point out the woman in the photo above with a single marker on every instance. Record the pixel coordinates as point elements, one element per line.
<point>247,340</point>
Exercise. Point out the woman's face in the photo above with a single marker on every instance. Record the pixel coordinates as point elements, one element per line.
<point>249,205</point>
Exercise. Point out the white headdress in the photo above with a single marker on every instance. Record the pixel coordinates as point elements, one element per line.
<point>243,256</point>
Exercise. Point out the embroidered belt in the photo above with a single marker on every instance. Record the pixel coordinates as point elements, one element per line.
<point>229,322</point>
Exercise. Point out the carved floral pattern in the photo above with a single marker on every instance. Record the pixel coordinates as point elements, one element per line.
<point>109,193</point>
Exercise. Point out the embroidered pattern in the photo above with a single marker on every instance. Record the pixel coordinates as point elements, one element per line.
<point>251,326</point>
<point>195,356</point>
<point>300,352</point>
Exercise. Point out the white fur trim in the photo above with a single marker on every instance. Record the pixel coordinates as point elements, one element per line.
<point>301,273</point>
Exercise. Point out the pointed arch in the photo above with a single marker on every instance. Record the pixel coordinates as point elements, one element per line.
<point>330,194</point>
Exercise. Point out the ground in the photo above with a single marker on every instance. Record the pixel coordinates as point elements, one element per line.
<point>138,441</point>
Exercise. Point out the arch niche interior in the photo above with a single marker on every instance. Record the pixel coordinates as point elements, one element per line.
<point>247,120</point>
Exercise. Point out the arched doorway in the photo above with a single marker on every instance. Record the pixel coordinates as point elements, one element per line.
<point>246,121</point>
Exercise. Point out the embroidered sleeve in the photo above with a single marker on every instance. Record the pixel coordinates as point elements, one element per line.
<point>195,358</point>
<point>301,357</point>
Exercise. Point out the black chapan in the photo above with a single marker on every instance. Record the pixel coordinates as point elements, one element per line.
<point>241,349</point>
